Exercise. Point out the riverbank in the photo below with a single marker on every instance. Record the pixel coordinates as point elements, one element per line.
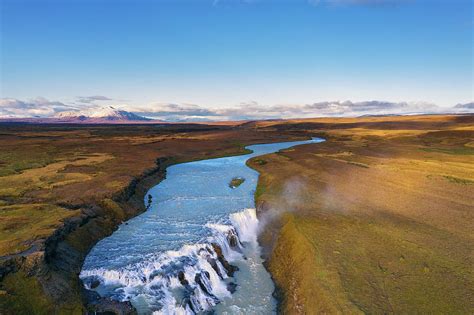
<point>377,219</point>
<point>64,188</point>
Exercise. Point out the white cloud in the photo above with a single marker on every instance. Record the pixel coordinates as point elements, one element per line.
<point>92,99</point>
<point>41,107</point>
<point>253,110</point>
<point>38,107</point>
<point>464,108</point>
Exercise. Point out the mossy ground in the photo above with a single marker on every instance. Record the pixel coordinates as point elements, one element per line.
<point>53,173</point>
<point>372,221</point>
<point>29,298</point>
<point>23,224</point>
<point>377,219</point>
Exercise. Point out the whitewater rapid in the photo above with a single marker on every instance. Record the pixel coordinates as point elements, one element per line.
<point>195,250</point>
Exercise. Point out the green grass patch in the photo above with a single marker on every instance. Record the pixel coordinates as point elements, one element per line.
<point>358,164</point>
<point>282,154</point>
<point>24,295</point>
<point>259,191</point>
<point>453,151</point>
<point>242,148</point>
<point>20,224</point>
<point>15,161</point>
<point>458,180</point>
<point>260,161</point>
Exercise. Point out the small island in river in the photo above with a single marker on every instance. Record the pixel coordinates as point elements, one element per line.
<point>236,182</point>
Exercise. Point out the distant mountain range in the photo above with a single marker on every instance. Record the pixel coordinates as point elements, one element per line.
<point>106,115</point>
<point>112,115</point>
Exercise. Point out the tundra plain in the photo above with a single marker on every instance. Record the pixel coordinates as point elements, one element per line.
<point>376,219</point>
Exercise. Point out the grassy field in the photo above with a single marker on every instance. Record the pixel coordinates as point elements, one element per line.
<point>63,188</point>
<point>377,219</point>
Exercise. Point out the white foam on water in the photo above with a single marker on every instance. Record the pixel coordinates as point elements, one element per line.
<point>255,286</point>
<point>156,286</point>
<point>246,224</point>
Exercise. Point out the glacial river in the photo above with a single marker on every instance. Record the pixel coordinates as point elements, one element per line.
<point>177,257</point>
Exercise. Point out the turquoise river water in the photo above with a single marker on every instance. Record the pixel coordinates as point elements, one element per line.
<point>172,259</point>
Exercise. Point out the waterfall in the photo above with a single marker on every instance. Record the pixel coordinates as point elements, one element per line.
<point>190,280</point>
<point>246,224</point>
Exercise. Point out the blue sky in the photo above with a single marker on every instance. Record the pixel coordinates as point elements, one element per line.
<point>224,53</point>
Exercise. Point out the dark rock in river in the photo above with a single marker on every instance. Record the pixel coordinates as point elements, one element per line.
<point>220,256</point>
<point>214,266</point>
<point>232,239</point>
<point>95,284</point>
<point>202,280</point>
<point>182,278</point>
<point>232,287</point>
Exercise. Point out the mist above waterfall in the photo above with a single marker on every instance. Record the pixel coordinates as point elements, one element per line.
<point>290,198</point>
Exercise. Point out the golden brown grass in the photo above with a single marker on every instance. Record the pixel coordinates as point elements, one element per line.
<point>373,221</point>
<point>23,224</point>
<point>378,219</point>
<point>53,174</point>
<point>49,176</point>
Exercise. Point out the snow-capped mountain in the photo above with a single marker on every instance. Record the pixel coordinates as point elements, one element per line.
<point>109,113</point>
<point>106,115</point>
